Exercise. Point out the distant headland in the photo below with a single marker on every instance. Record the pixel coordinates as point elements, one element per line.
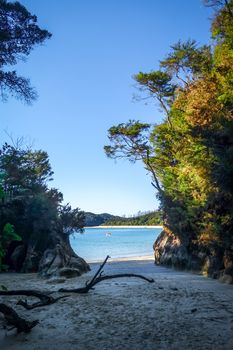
<point>152,219</point>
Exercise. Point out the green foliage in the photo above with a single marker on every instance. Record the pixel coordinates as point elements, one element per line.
<point>92,219</point>
<point>159,85</point>
<point>128,140</point>
<point>191,152</point>
<point>24,169</point>
<point>131,141</point>
<point>148,219</point>
<point>187,60</point>
<point>34,209</point>
<point>7,235</point>
<point>19,33</point>
<point>71,220</point>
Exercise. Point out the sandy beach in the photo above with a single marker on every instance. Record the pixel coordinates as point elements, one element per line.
<point>178,311</point>
<point>125,226</point>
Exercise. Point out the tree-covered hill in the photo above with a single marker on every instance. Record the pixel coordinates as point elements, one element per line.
<point>92,219</point>
<point>149,219</point>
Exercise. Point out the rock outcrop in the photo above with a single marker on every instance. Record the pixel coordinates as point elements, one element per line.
<point>51,257</point>
<point>60,261</point>
<point>209,259</point>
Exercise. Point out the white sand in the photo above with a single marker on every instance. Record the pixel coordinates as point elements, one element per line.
<point>138,258</point>
<point>178,311</point>
<point>126,226</point>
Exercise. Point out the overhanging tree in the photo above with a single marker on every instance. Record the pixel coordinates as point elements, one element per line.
<point>190,152</point>
<point>19,33</point>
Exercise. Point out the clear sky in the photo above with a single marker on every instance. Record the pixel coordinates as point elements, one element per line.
<point>83,76</point>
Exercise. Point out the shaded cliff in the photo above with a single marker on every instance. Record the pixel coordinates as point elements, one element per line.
<point>209,259</point>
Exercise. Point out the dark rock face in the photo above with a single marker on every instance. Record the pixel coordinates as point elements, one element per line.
<point>62,261</point>
<point>168,251</point>
<point>53,257</point>
<point>15,256</point>
<point>210,259</point>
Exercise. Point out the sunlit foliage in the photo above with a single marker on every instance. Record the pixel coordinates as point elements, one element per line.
<point>191,151</point>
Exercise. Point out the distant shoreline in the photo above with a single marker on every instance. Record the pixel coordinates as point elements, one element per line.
<point>125,226</point>
<point>125,259</point>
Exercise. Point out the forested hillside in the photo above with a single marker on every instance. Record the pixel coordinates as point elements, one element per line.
<point>190,153</point>
<point>149,219</point>
<point>92,219</point>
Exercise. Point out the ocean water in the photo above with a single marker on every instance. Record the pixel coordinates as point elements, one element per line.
<point>96,243</point>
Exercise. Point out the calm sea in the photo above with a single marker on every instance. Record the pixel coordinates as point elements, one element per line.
<point>96,243</point>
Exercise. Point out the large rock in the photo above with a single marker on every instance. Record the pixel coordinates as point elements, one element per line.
<point>209,259</point>
<point>60,261</point>
<point>47,254</point>
<point>169,251</point>
<point>17,257</point>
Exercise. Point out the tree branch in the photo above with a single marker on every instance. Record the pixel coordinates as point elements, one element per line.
<point>15,320</point>
<point>99,278</point>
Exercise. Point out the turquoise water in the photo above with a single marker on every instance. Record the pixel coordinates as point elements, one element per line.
<point>96,243</point>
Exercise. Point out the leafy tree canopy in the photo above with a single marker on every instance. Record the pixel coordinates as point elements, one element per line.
<point>35,210</point>
<point>19,33</point>
<point>190,153</point>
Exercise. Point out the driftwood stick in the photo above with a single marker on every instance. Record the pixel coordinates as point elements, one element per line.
<point>45,298</point>
<point>15,320</point>
<point>27,292</point>
<point>90,284</point>
<point>40,303</point>
<point>99,270</point>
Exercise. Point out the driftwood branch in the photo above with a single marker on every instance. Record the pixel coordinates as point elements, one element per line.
<point>99,271</point>
<point>119,275</point>
<point>45,298</point>
<point>45,302</point>
<point>103,278</point>
<point>15,320</point>
<point>98,277</point>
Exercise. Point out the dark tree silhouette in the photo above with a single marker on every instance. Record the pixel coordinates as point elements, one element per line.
<point>19,33</point>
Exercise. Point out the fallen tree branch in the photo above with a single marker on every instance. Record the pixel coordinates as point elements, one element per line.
<point>119,275</point>
<point>15,320</point>
<point>98,273</point>
<point>98,278</point>
<point>45,298</point>
<point>89,285</point>
<point>49,301</point>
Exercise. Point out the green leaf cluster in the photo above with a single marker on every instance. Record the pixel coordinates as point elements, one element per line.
<point>7,235</point>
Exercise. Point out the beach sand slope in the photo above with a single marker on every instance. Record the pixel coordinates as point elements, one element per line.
<point>179,311</point>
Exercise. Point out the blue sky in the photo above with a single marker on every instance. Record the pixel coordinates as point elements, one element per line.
<point>83,76</point>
